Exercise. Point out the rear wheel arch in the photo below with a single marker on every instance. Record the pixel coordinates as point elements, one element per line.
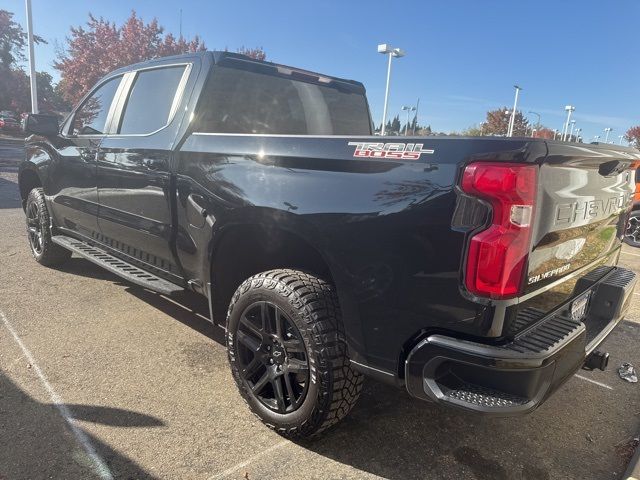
<point>244,250</point>
<point>240,252</point>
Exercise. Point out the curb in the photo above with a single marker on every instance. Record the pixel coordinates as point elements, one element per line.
<point>633,469</point>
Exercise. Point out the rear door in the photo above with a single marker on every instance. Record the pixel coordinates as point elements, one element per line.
<point>134,167</point>
<point>73,183</point>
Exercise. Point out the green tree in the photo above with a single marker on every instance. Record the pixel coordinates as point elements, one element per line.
<point>395,124</point>
<point>12,41</point>
<point>14,84</point>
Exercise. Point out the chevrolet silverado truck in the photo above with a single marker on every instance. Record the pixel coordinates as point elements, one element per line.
<point>478,273</point>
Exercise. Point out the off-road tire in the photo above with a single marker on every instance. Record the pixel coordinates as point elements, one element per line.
<point>312,305</point>
<point>39,232</point>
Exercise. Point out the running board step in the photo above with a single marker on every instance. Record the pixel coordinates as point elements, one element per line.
<point>115,265</point>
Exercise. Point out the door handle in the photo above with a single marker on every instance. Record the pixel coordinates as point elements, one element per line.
<point>194,203</point>
<point>153,164</point>
<point>87,155</point>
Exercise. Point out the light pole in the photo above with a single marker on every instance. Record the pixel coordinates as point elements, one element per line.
<point>596,138</point>
<point>506,114</point>
<point>512,121</point>
<point>620,137</point>
<point>387,49</point>
<point>570,109</point>
<point>32,60</point>
<point>538,122</point>
<point>607,131</point>
<point>409,110</point>
<point>573,124</point>
<point>555,133</point>
<point>578,130</point>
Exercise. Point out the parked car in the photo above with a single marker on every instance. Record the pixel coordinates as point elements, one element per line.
<point>8,122</point>
<point>479,273</point>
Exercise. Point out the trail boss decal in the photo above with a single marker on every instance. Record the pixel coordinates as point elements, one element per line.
<point>399,151</point>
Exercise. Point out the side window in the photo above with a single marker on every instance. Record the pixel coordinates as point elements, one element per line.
<point>91,117</point>
<point>150,101</point>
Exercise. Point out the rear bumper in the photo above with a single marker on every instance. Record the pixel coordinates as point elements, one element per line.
<point>517,377</point>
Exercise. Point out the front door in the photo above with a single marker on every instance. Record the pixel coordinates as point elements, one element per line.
<point>74,189</point>
<point>134,170</point>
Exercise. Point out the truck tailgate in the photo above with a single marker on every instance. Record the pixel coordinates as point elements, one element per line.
<point>584,194</point>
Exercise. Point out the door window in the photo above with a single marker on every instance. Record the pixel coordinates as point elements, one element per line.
<point>91,117</point>
<point>151,100</point>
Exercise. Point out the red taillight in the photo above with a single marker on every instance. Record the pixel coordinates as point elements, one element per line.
<point>497,256</point>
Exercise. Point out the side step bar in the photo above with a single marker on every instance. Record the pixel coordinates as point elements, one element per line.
<point>115,265</point>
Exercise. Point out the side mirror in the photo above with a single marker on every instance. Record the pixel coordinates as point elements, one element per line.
<point>40,124</point>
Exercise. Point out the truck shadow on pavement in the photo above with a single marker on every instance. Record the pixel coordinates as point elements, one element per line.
<point>9,194</point>
<point>394,436</point>
<point>38,443</point>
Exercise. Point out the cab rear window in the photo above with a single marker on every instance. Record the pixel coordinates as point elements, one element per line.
<point>242,101</point>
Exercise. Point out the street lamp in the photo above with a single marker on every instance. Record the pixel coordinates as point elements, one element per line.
<point>512,121</point>
<point>32,60</point>
<point>409,110</point>
<point>607,131</point>
<point>596,138</point>
<point>538,122</point>
<point>578,130</point>
<point>387,49</point>
<point>573,124</point>
<point>569,109</point>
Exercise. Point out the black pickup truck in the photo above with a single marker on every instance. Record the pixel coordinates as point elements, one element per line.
<point>478,273</point>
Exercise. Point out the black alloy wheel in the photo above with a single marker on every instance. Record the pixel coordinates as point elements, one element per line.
<point>288,354</point>
<point>632,232</point>
<point>34,228</point>
<point>272,358</point>
<point>44,250</point>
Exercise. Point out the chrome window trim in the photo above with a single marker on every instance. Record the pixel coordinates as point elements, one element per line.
<point>177,99</point>
<point>68,123</point>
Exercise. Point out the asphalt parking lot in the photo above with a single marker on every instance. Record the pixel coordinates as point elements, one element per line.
<point>102,379</point>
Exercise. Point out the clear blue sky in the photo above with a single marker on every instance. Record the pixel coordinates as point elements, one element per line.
<point>463,57</point>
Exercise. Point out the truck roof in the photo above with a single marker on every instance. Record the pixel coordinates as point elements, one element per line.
<point>224,57</point>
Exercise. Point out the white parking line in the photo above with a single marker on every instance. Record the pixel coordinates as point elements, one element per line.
<point>248,461</point>
<point>603,385</point>
<point>629,253</point>
<point>100,467</point>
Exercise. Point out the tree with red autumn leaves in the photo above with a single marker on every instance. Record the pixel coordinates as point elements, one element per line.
<point>544,132</point>
<point>102,47</point>
<point>497,123</point>
<point>633,136</point>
